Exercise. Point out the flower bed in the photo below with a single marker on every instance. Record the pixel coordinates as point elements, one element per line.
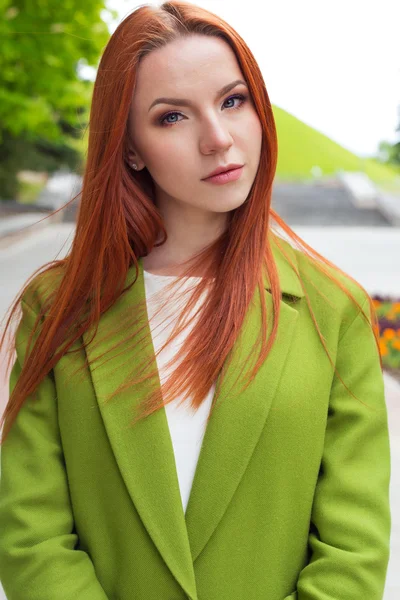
<point>388,313</point>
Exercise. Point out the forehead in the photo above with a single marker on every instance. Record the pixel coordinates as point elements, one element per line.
<point>195,63</point>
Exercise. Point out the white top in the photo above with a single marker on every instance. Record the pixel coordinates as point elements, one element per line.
<point>187,426</point>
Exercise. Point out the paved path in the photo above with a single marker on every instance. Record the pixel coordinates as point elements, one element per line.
<point>368,254</point>
<point>392,590</point>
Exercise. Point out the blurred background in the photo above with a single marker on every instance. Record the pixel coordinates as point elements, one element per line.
<point>332,71</point>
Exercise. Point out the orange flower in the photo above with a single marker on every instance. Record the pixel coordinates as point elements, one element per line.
<point>396,307</point>
<point>396,344</point>
<point>389,334</point>
<point>383,349</point>
<point>376,303</point>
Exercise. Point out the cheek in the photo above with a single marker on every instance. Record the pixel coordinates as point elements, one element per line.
<point>171,166</point>
<point>254,135</point>
<point>169,155</point>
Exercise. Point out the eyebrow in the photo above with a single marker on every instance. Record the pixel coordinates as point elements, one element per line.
<point>183,102</point>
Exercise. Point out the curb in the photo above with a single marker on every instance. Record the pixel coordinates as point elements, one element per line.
<point>16,227</point>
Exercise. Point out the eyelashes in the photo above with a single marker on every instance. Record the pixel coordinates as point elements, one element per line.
<point>242,97</point>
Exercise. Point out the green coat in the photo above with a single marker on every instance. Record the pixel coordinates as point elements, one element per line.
<point>290,498</point>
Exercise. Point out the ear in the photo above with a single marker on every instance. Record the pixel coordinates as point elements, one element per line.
<point>131,154</point>
<point>134,158</point>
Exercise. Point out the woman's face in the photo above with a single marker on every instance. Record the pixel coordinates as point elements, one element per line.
<point>180,144</point>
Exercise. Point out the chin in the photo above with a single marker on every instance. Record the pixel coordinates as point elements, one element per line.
<point>224,207</point>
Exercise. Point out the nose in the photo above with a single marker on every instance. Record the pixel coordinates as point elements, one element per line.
<point>215,137</point>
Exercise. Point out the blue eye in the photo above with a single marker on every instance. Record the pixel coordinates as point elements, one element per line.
<point>241,97</point>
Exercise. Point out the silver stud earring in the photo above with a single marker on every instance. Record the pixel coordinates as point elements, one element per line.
<point>134,166</point>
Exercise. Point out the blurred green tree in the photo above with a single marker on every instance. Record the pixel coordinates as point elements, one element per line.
<point>388,152</point>
<point>44,98</point>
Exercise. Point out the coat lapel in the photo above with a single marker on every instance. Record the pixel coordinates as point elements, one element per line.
<point>144,452</point>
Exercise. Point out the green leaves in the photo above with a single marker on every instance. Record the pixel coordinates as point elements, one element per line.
<point>44,102</point>
<point>42,43</point>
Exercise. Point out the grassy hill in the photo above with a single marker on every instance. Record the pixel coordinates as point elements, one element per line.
<point>301,147</point>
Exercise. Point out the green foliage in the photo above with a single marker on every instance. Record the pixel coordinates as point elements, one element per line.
<point>44,104</point>
<point>28,192</point>
<point>20,153</point>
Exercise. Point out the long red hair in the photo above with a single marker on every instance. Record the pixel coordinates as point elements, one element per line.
<point>118,222</point>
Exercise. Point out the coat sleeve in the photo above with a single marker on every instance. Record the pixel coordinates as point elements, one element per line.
<point>38,559</point>
<point>349,536</point>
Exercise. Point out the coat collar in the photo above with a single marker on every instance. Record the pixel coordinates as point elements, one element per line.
<point>180,537</point>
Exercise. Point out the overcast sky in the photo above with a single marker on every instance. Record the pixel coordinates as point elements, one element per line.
<point>333,64</point>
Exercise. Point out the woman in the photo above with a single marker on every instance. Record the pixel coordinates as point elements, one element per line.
<point>278,488</point>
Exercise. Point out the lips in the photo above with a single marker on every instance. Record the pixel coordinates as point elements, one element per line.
<point>224,169</point>
<point>225,177</point>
